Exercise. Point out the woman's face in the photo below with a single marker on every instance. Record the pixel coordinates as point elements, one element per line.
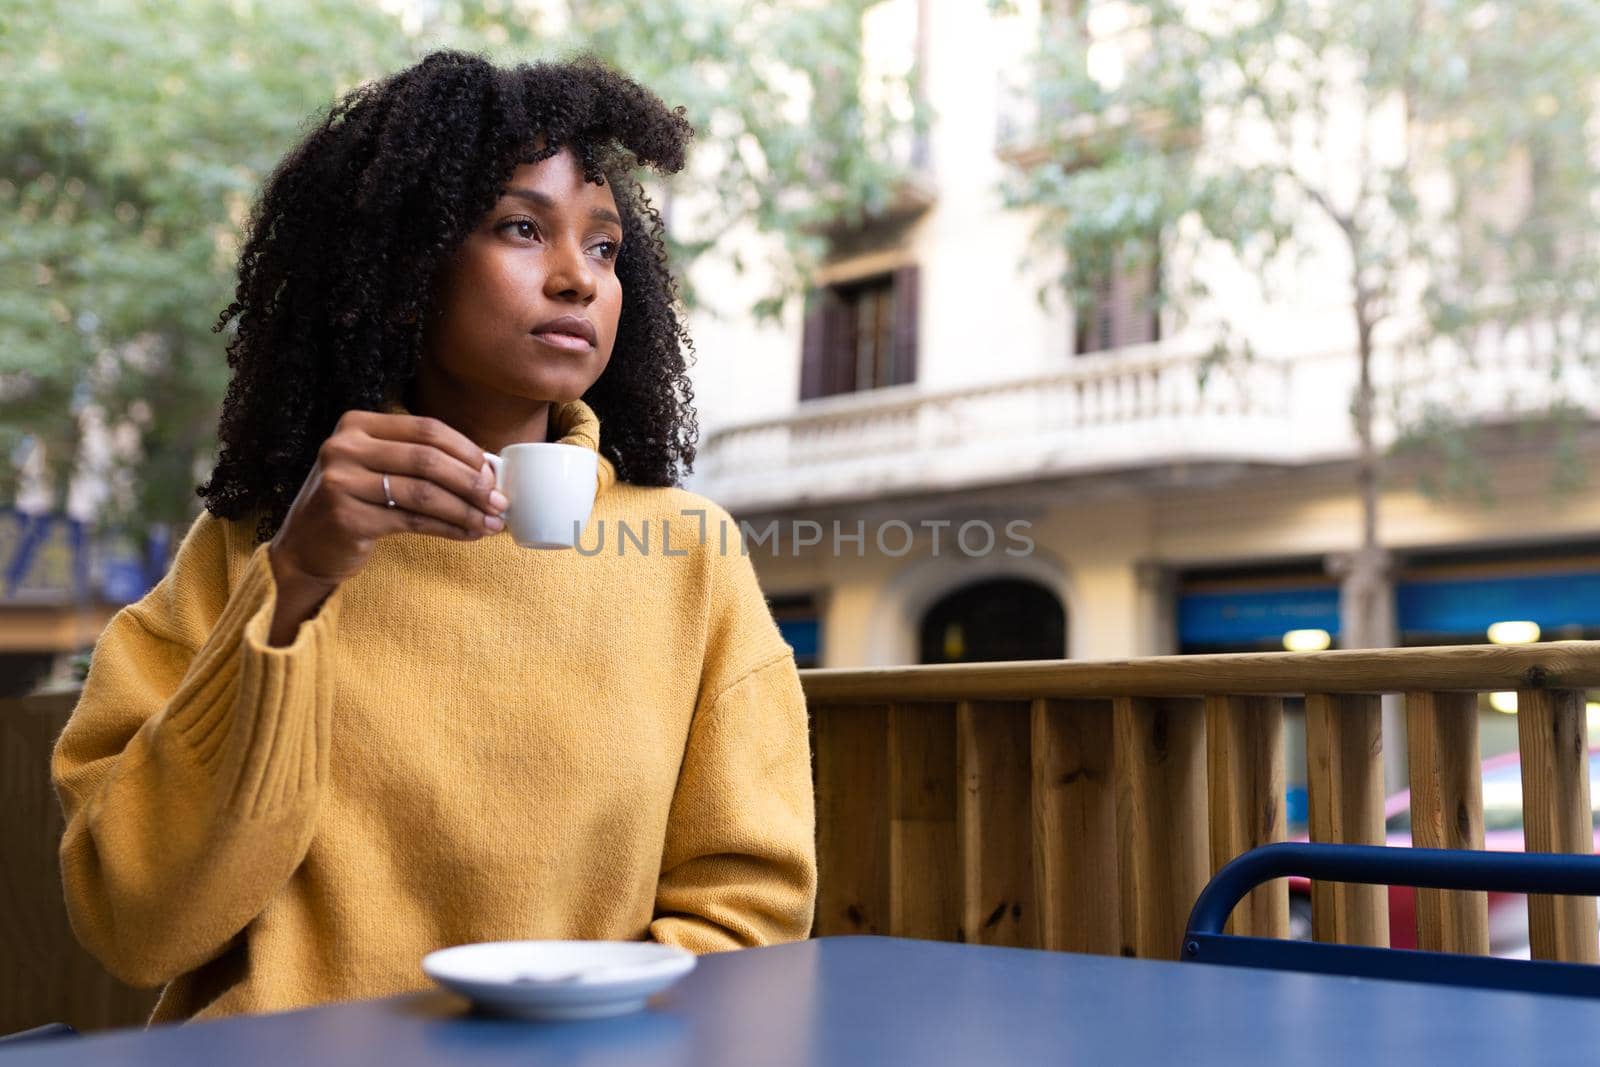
<point>528,307</point>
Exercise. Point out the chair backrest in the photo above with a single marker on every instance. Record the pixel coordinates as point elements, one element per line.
<point>47,1032</point>
<point>1504,872</point>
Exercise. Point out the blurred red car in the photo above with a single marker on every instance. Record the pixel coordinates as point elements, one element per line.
<point>1502,832</point>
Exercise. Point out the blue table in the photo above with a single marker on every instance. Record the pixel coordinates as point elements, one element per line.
<point>849,1001</point>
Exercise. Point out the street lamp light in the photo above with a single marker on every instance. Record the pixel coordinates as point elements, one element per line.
<point>1519,632</point>
<point>1307,640</point>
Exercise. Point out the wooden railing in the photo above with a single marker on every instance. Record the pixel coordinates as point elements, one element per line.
<point>1082,806</point>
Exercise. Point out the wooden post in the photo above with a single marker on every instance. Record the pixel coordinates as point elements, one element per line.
<point>1552,733</point>
<point>992,812</point>
<point>1344,764</point>
<point>1075,826</point>
<point>924,869</point>
<point>1447,812</point>
<point>1161,820</point>
<point>45,975</point>
<point>852,819</point>
<point>1245,777</point>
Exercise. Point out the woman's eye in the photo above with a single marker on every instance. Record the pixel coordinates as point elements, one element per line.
<point>606,249</point>
<point>523,227</point>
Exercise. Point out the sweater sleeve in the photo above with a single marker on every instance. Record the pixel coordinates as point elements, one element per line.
<point>190,770</point>
<point>739,868</point>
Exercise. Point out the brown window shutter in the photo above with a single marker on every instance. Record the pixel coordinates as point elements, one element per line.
<point>1123,310</point>
<point>814,346</point>
<point>1133,314</point>
<point>1093,326</point>
<point>906,302</point>
<point>839,344</point>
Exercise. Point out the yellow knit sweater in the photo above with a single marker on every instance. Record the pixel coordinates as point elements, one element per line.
<point>468,742</point>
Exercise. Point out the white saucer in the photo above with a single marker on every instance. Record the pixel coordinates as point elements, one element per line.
<point>559,979</point>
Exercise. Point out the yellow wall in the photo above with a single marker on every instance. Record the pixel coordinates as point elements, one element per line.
<point>1104,552</point>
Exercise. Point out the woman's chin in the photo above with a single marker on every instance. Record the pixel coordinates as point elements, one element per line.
<point>547,391</point>
<point>556,384</point>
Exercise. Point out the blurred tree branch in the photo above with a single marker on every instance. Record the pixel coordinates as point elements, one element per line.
<point>1447,149</point>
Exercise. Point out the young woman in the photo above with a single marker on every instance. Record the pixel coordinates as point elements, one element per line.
<point>356,722</point>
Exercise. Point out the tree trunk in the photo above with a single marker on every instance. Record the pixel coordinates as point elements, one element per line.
<point>1366,604</point>
<point>1366,592</point>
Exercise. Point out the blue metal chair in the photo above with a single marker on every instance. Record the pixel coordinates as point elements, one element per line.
<point>1427,868</point>
<point>47,1032</point>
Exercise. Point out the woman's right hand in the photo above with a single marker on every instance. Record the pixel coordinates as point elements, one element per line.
<point>440,482</point>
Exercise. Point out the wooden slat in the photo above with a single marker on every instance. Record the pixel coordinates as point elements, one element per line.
<point>1075,826</point>
<point>1344,765</point>
<point>925,875</point>
<point>45,975</point>
<point>1552,733</point>
<point>1245,784</point>
<point>992,812</point>
<point>1161,820</point>
<point>852,769</point>
<point>1467,668</point>
<point>1447,812</point>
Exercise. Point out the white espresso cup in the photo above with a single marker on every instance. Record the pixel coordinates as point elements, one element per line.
<point>550,489</point>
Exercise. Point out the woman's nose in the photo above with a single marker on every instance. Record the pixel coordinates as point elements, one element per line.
<point>570,275</point>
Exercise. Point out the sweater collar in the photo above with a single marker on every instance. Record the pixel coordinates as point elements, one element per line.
<point>572,422</point>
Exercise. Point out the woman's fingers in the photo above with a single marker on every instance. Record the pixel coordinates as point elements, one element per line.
<point>417,430</point>
<point>427,498</point>
<point>401,519</point>
<point>429,464</point>
<point>430,468</point>
<point>437,480</point>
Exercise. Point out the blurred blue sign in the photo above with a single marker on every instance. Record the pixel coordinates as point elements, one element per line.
<point>1468,606</point>
<point>1251,616</point>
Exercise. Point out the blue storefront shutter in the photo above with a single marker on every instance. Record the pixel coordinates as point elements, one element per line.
<point>1248,617</point>
<point>1470,605</point>
<point>803,635</point>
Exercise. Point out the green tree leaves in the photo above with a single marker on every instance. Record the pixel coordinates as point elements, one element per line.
<point>133,139</point>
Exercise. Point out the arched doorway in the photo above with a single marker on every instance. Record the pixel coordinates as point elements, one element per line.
<point>996,619</point>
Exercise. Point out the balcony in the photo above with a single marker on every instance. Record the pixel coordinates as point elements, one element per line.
<point>1138,408</point>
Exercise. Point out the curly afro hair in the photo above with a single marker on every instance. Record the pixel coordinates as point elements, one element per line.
<point>353,228</point>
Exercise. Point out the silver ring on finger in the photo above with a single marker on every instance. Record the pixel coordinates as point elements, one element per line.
<point>388,496</point>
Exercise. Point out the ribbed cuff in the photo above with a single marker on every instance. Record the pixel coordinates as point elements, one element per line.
<point>254,716</point>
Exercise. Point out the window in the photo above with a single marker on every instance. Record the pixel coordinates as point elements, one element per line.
<point>861,335</point>
<point>1123,310</point>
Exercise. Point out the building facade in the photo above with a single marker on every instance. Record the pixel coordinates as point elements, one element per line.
<point>885,446</point>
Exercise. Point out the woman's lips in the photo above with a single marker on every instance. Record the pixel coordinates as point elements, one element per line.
<point>566,341</point>
<point>572,332</point>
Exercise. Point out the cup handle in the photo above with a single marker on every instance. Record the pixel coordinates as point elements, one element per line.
<point>498,465</point>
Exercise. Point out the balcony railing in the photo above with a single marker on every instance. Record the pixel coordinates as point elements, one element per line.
<point>1082,806</point>
<point>1135,408</point>
<point>1101,413</point>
